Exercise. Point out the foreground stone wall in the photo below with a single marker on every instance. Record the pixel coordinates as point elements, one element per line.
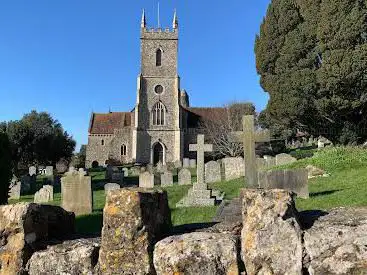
<point>26,228</point>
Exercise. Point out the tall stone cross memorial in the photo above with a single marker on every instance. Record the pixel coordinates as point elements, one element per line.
<point>249,137</point>
<point>200,148</point>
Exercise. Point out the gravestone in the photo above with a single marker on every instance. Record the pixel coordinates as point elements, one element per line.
<point>166,179</point>
<point>62,166</point>
<point>199,194</point>
<point>76,192</point>
<point>295,180</point>
<point>44,195</point>
<point>212,172</point>
<point>117,177</point>
<point>270,161</point>
<point>111,186</point>
<point>110,170</point>
<point>249,137</point>
<point>234,168</point>
<point>261,163</point>
<point>32,171</point>
<point>28,183</point>
<point>134,171</point>
<point>125,171</point>
<point>49,171</point>
<point>14,189</point>
<point>283,159</point>
<point>192,163</point>
<point>186,163</point>
<point>184,177</point>
<point>178,164</point>
<point>148,180</point>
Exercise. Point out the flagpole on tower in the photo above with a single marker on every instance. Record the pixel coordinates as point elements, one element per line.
<point>159,21</point>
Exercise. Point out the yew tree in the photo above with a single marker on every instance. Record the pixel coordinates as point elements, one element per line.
<point>312,59</point>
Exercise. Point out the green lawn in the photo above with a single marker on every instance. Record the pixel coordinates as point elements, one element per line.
<point>346,186</point>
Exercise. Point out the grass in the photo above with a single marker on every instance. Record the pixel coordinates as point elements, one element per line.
<point>346,186</point>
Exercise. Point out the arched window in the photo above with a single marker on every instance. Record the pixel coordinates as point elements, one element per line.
<point>158,59</point>
<point>159,114</point>
<point>102,142</point>
<point>123,150</point>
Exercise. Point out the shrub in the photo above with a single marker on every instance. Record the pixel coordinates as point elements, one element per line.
<point>5,168</point>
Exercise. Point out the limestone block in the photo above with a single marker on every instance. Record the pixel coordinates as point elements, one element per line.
<point>337,243</point>
<point>197,253</point>
<point>68,258</point>
<point>133,221</point>
<point>25,227</point>
<point>271,237</point>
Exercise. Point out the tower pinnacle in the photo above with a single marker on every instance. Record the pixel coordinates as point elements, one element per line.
<point>175,21</point>
<point>143,23</point>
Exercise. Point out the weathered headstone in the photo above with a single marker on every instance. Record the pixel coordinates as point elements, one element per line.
<point>186,163</point>
<point>49,171</point>
<point>125,171</point>
<point>14,189</point>
<point>178,164</point>
<point>270,161</point>
<point>110,170</point>
<point>295,180</point>
<point>261,163</point>
<point>234,168</point>
<point>192,163</point>
<point>117,177</point>
<point>166,179</point>
<point>111,186</point>
<point>283,159</point>
<point>184,177</point>
<point>199,194</point>
<point>44,195</point>
<point>76,193</point>
<point>28,183</point>
<point>148,180</point>
<point>249,137</point>
<point>62,166</point>
<point>212,172</point>
<point>32,170</point>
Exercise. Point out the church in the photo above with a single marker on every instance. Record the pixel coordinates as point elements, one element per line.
<point>162,124</point>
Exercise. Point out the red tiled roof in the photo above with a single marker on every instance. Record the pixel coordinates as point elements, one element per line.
<point>107,123</point>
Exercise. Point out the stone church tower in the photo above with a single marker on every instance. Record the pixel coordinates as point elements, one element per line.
<point>162,124</point>
<point>157,132</point>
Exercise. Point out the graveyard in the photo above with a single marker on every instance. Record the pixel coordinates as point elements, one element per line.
<point>244,152</point>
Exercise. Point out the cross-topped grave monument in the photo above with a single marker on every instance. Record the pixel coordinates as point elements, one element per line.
<point>199,194</point>
<point>249,137</point>
<point>200,148</point>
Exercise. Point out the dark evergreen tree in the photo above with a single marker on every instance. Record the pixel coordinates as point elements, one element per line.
<point>5,167</point>
<point>312,59</point>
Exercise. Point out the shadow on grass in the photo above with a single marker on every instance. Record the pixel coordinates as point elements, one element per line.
<point>89,224</point>
<point>324,193</point>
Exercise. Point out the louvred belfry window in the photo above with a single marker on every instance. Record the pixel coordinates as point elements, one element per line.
<point>159,114</point>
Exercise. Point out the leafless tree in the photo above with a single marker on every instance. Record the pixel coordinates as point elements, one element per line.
<point>219,125</point>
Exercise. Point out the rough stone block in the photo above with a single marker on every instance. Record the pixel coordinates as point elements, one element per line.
<point>337,243</point>
<point>197,253</point>
<point>133,221</point>
<point>27,227</point>
<point>271,237</point>
<point>71,257</point>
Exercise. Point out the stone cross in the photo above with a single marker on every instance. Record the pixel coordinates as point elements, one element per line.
<point>200,148</point>
<point>249,137</point>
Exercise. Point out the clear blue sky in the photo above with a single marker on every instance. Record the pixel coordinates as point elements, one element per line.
<point>70,57</point>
